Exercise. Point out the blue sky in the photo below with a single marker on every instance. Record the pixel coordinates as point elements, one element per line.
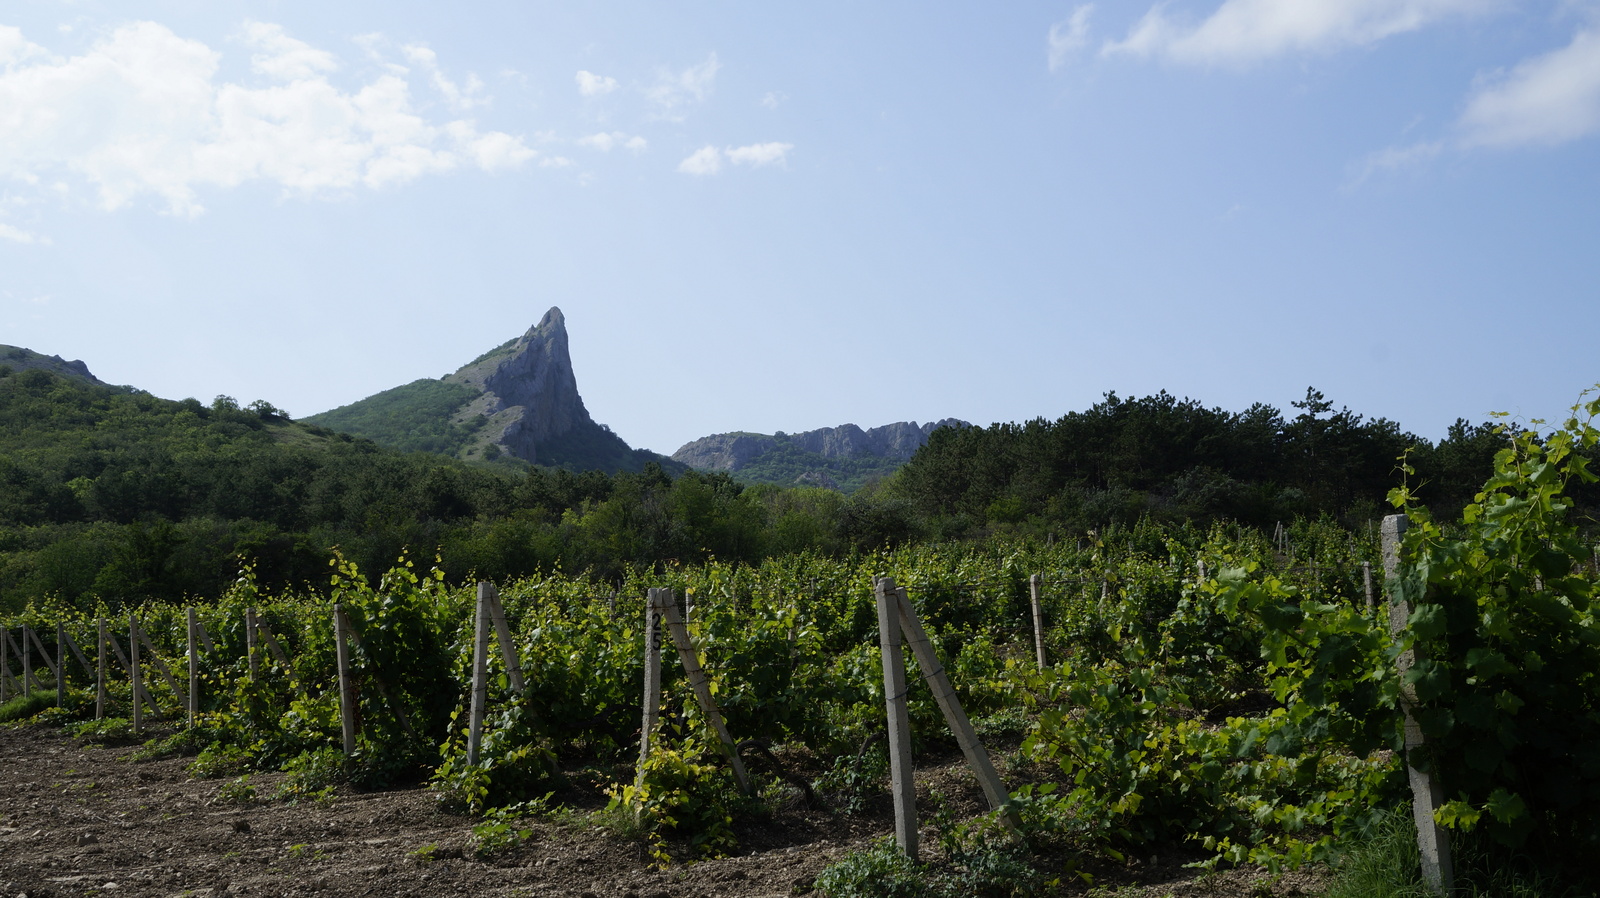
<point>780,218</point>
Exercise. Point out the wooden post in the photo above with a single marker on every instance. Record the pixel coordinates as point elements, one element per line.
<point>250,643</point>
<point>902,787</point>
<point>205,637</point>
<point>5,663</point>
<point>194,666</point>
<point>61,664</point>
<point>28,683</point>
<point>1427,795</point>
<point>480,673</point>
<point>652,677</point>
<point>1038,620</point>
<point>142,693</point>
<point>133,671</point>
<point>347,694</point>
<point>702,690</point>
<point>1366,584</point>
<point>100,669</point>
<point>508,646</point>
<point>954,715</point>
<point>76,652</point>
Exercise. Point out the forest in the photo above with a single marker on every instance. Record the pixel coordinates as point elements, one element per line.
<point>111,494</point>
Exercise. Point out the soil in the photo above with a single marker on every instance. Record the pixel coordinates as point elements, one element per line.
<point>85,819</point>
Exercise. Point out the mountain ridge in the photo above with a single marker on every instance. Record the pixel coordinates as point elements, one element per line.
<point>843,457</point>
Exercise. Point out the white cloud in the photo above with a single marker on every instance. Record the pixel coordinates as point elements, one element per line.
<point>708,159</point>
<point>592,85</point>
<point>1396,158</point>
<point>1070,36</point>
<point>757,155</point>
<point>604,141</point>
<point>142,113</point>
<point>459,97</point>
<point>675,90</point>
<point>773,99</point>
<point>17,235</point>
<point>281,56</point>
<point>705,161</point>
<point>1547,100</point>
<point>1246,31</point>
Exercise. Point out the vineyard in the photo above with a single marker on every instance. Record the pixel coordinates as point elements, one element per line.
<point>1240,694</point>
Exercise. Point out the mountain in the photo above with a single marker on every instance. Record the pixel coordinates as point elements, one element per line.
<point>844,457</point>
<point>518,401</point>
<point>18,359</point>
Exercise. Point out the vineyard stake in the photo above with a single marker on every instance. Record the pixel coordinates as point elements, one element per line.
<point>945,695</point>
<point>901,785</point>
<point>508,646</point>
<point>652,678</point>
<point>679,629</point>
<point>1427,795</point>
<point>1366,582</point>
<point>480,673</point>
<point>205,637</point>
<point>194,666</point>
<point>250,643</point>
<point>29,684</point>
<point>100,669</point>
<point>1038,620</point>
<point>61,664</point>
<point>347,706</point>
<point>5,663</point>
<point>273,647</point>
<point>133,671</point>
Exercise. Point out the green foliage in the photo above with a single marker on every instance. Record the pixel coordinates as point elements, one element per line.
<point>108,730</point>
<point>680,796</point>
<point>1507,672</point>
<point>417,417</point>
<point>26,705</point>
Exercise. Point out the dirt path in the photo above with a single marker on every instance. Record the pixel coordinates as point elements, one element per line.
<point>83,819</point>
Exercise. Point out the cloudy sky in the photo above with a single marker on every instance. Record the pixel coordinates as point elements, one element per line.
<point>763,217</point>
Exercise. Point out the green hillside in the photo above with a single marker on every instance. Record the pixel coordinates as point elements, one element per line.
<point>418,417</point>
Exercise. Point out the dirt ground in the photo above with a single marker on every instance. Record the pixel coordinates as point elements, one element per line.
<point>84,819</point>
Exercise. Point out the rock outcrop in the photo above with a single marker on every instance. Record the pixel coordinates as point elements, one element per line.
<point>19,359</point>
<point>732,451</point>
<point>530,395</point>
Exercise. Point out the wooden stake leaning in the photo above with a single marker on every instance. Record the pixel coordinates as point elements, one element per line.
<point>902,788</point>
<point>127,665</point>
<point>161,666</point>
<point>652,678</point>
<point>702,688</point>
<point>1427,795</point>
<point>945,695</point>
<point>508,645</point>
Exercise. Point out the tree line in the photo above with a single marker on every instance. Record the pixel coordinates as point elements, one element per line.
<point>113,494</point>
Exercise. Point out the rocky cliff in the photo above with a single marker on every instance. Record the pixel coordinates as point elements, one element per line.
<point>19,359</point>
<point>733,451</point>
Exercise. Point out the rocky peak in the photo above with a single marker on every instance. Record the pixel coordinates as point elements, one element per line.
<point>530,394</point>
<point>732,451</point>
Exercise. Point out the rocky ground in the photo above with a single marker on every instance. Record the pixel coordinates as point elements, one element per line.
<point>85,819</point>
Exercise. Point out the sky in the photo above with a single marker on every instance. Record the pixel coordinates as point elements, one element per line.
<point>771,217</point>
